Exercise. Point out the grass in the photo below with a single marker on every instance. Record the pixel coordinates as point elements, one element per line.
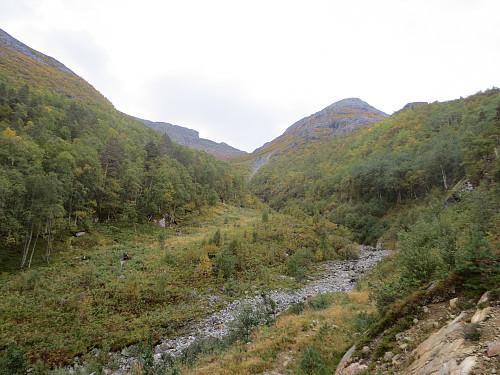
<point>294,344</point>
<point>89,297</point>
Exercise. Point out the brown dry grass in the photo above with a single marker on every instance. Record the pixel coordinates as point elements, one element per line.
<point>276,349</point>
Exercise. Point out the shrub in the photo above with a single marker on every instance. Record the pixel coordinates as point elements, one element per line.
<point>363,321</point>
<point>297,263</point>
<point>244,322</point>
<point>476,257</point>
<point>472,332</point>
<point>320,301</point>
<point>12,362</point>
<point>216,239</point>
<point>297,308</point>
<point>200,346</point>
<point>419,255</point>
<point>348,252</point>
<point>248,317</point>
<point>310,361</point>
<point>389,292</point>
<point>225,263</point>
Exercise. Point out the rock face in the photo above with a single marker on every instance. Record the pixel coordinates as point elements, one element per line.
<point>191,138</point>
<point>21,48</point>
<point>438,354</point>
<point>413,104</point>
<point>336,119</point>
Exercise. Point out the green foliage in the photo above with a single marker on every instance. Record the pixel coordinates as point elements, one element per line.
<point>476,259</point>
<point>248,317</point>
<point>297,307</point>
<point>12,361</point>
<point>311,362</point>
<point>354,179</point>
<point>390,291</point>
<point>363,321</point>
<point>225,263</point>
<point>472,332</point>
<point>65,163</point>
<point>245,320</point>
<point>297,263</point>
<point>320,301</point>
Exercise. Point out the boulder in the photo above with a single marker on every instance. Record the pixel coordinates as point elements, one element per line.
<point>388,356</point>
<point>493,349</point>
<point>346,359</point>
<point>485,299</point>
<point>481,315</point>
<point>453,303</point>
<point>438,354</point>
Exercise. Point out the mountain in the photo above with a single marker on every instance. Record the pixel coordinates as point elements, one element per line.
<point>69,158</point>
<point>191,138</point>
<point>23,63</point>
<point>338,118</point>
<point>44,71</point>
<point>375,163</point>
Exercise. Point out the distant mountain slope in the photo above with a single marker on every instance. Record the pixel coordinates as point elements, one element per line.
<point>354,179</point>
<point>22,62</point>
<point>191,138</point>
<point>338,118</point>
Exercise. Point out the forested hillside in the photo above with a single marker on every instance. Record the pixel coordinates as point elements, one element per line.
<point>68,158</point>
<point>355,179</point>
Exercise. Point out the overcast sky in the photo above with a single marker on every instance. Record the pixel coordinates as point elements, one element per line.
<point>241,72</point>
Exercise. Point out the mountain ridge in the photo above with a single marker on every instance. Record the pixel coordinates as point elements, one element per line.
<point>338,118</point>
<point>191,138</point>
<point>37,68</point>
<point>15,45</point>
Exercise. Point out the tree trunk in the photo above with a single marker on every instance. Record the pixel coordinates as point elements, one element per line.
<point>32,252</point>
<point>26,248</point>
<point>444,177</point>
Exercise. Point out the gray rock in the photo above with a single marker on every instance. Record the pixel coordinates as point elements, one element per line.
<point>366,351</point>
<point>388,356</point>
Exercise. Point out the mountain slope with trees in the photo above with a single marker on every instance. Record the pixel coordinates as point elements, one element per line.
<point>68,158</point>
<point>356,178</point>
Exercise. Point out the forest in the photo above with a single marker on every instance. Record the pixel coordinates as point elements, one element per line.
<point>357,178</point>
<point>65,163</point>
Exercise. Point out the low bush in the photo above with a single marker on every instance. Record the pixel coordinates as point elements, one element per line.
<point>320,301</point>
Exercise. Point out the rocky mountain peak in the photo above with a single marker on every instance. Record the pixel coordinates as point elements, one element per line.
<point>191,138</point>
<point>338,118</point>
<point>8,41</point>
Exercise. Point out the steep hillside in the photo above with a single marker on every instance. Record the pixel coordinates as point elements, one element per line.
<point>191,138</point>
<point>355,178</point>
<point>338,118</point>
<point>23,64</point>
<point>68,159</point>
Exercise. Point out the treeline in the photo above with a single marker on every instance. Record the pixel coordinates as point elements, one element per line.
<point>355,179</point>
<point>66,162</point>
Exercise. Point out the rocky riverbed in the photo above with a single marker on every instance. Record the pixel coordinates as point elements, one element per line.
<point>340,275</point>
